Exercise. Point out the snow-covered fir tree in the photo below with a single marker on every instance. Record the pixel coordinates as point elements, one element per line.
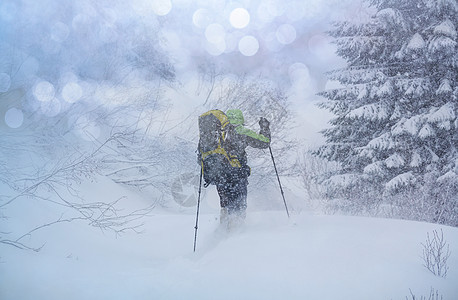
<point>395,133</point>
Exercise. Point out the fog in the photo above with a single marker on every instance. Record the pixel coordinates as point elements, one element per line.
<point>57,53</point>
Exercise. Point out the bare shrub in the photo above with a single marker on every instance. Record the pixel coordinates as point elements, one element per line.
<point>436,252</point>
<point>433,295</point>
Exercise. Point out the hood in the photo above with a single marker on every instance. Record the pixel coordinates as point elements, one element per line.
<point>235,116</point>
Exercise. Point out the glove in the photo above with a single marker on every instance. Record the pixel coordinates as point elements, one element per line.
<point>263,123</point>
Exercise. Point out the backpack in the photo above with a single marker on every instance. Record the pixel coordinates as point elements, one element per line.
<point>216,161</point>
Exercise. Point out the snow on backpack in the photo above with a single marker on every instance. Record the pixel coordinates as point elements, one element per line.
<point>216,161</point>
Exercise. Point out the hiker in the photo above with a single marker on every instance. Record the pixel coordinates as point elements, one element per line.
<point>233,190</point>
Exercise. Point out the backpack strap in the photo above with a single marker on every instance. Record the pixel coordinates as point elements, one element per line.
<point>232,160</point>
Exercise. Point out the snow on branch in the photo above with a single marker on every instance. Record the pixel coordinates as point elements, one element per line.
<point>400,181</point>
<point>382,142</point>
<point>446,28</point>
<point>390,16</point>
<point>342,180</point>
<point>416,159</point>
<point>394,161</point>
<point>384,90</point>
<point>409,126</point>
<point>354,75</point>
<point>445,87</point>
<point>450,176</point>
<point>426,131</point>
<point>372,112</point>
<point>374,168</point>
<point>416,42</point>
<point>441,44</point>
<point>415,87</point>
<point>445,113</point>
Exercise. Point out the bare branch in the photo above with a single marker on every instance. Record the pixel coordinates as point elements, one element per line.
<point>436,252</point>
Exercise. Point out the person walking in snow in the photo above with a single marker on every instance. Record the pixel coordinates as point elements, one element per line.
<point>233,191</point>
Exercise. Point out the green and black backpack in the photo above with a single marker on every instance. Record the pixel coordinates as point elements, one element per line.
<point>216,161</point>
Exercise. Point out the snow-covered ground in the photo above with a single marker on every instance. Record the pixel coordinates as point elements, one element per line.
<point>308,256</point>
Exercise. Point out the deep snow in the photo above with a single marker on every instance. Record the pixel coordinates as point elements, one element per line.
<point>308,256</point>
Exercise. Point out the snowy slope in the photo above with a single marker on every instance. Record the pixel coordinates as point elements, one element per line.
<point>272,257</point>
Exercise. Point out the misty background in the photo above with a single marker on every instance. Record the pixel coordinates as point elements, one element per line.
<point>99,107</point>
<point>58,54</point>
<point>114,88</point>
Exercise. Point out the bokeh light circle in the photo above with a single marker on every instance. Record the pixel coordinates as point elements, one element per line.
<point>44,91</point>
<point>72,92</point>
<point>239,18</point>
<point>202,18</point>
<point>248,45</point>
<point>14,118</point>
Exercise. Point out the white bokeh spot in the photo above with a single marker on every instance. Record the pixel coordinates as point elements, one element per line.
<point>14,118</point>
<point>44,91</point>
<point>302,82</point>
<point>239,18</point>
<point>72,92</point>
<point>248,45</point>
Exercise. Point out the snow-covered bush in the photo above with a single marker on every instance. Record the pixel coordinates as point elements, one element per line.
<point>395,133</point>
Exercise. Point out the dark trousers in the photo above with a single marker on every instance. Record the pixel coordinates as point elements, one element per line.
<point>233,195</point>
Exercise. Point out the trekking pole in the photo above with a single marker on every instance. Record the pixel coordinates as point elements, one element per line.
<point>279,183</point>
<point>198,206</point>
